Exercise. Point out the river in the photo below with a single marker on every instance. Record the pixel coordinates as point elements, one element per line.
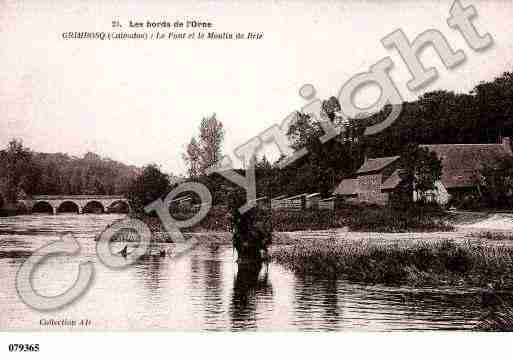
<point>204,290</point>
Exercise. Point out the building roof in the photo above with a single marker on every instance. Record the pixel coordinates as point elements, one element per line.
<point>392,182</point>
<point>461,163</point>
<point>376,164</point>
<point>347,187</point>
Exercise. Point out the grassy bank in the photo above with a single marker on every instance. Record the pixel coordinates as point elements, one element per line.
<point>356,218</point>
<point>364,219</point>
<point>416,218</point>
<point>418,264</point>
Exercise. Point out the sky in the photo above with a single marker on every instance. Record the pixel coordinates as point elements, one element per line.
<point>140,102</point>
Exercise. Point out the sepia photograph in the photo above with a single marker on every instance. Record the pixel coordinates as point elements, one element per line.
<point>255,166</point>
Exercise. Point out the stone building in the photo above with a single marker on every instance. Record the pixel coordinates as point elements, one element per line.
<point>378,178</point>
<point>367,184</point>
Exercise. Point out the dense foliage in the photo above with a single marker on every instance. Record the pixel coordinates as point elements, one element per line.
<point>22,169</point>
<point>497,178</point>
<point>420,169</point>
<point>17,170</point>
<point>149,186</point>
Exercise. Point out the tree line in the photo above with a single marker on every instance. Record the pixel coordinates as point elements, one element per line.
<point>23,171</point>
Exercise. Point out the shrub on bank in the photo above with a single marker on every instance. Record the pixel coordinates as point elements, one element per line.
<point>417,264</point>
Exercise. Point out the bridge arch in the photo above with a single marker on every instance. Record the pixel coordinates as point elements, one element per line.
<point>68,206</point>
<point>43,207</point>
<point>77,203</point>
<point>94,206</point>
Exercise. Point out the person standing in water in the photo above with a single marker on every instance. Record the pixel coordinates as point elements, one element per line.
<point>251,232</point>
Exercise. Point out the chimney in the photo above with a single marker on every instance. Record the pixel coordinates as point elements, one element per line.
<point>506,143</point>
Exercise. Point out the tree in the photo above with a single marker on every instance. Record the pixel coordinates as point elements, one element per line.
<point>325,163</point>
<point>420,169</point>
<point>192,159</point>
<point>205,151</point>
<point>210,141</point>
<point>265,177</point>
<point>63,174</point>
<point>149,186</point>
<point>17,170</point>
<point>497,181</point>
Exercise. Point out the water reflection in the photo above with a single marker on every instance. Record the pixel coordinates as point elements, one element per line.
<point>151,271</point>
<point>251,287</point>
<point>213,286</point>
<point>316,303</point>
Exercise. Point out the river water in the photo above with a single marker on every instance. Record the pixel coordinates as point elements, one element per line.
<point>205,290</point>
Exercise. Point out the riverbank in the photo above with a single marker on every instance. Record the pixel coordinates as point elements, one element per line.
<point>479,252</point>
<point>417,263</point>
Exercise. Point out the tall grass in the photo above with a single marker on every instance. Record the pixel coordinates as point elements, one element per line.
<point>419,264</point>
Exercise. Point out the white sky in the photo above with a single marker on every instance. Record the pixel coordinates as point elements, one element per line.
<point>141,101</point>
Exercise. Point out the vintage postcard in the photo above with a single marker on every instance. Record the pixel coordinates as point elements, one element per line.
<point>334,165</point>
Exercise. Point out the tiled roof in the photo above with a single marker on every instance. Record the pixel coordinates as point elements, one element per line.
<point>376,164</point>
<point>347,187</point>
<point>461,163</point>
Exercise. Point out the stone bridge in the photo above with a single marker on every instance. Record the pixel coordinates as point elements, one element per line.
<point>77,202</point>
